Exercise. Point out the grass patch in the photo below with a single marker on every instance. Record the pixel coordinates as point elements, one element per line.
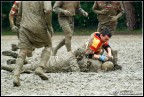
<point>127,32</point>
<point>85,31</point>
<point>118,31</point>
<point>7,31</point>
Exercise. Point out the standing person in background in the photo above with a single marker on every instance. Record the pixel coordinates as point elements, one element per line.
<point>66,11</point>
<point>108,13</point>
<point>33,33</point>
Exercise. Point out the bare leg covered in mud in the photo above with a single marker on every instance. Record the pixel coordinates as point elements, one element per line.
<point>19,64</point>
<point>33,36</point>
<point>44,58</point>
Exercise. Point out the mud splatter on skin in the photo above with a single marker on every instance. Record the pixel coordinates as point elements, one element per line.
<point>128,81</point>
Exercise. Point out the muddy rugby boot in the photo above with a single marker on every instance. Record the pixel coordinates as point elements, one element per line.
<point>11,61</point>
<point>16,81</point>
<point>14,47</point>
<point>44,58</point>
<point>40,72</point>
<point>16,78</point>
<point>7,68</point>
<point>116,66</point>
<point>10,53</point>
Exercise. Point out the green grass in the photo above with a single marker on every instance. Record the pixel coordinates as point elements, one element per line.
<point>126,31</point>
<point>118,31</point>
<point>85,31</point>
<point>7,31</point>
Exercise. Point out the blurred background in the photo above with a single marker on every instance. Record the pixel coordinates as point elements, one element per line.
<point>87,25</point>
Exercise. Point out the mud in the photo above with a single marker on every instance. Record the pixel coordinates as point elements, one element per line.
<point>128,81</point>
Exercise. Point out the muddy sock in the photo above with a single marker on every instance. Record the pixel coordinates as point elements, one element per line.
<point>10,53</point>
<point>40,70</point>
<point>116,66</point>
<point>62,42</point>
<point>17,71</point>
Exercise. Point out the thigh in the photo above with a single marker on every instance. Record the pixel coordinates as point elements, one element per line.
<point>24,41</point>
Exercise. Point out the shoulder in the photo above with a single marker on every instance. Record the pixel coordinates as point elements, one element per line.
<point>96,34</point>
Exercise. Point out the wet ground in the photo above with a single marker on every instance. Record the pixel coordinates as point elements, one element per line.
<point>128,81</point>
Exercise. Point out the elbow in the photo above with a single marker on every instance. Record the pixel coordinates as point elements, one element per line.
<point>55,9</point>
<point>123,12</point>
<point>47,11</point>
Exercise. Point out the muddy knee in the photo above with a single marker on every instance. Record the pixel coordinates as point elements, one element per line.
<point>45,56</point>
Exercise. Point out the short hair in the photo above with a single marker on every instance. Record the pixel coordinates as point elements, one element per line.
<point>105,31</point>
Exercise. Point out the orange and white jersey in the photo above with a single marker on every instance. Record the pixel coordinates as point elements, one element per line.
<point>96,44</point>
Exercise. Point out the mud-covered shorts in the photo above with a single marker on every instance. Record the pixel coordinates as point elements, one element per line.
<point>29,39</point>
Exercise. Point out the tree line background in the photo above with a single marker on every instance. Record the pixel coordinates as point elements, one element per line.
<point>131,20</point>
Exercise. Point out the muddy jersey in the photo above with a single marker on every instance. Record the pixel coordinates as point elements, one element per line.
<point>113,8</point>
<point>71,6</point>
<point>33,16</point>
<point>95,44</point>
<point>33,24</point>
<point>67,63</point>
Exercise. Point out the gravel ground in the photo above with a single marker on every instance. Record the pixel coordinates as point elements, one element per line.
<point>128,81</point>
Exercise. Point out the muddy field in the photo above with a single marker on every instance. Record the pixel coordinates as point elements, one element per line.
<point>128,81</point>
